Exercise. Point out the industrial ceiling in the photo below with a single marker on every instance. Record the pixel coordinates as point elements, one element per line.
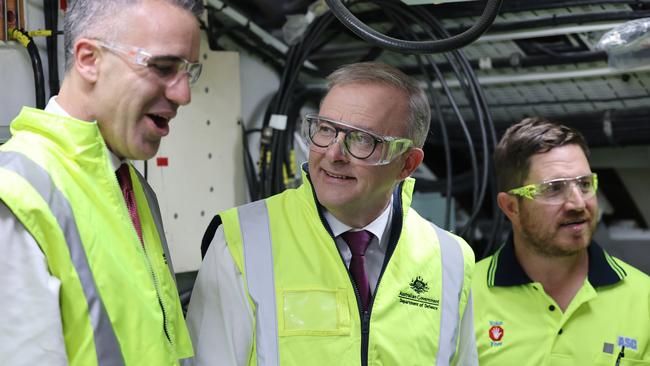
<point>539,58</point>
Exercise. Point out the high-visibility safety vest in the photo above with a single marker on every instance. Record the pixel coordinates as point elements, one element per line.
<point>118,299</point>
<point>305,304</point>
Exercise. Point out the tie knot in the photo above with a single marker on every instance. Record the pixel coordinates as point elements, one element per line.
<point>358,241</point>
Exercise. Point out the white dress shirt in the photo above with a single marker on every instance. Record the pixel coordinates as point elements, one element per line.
<point>31,332</point>
<point>376,251</point>
<point>222,331</point>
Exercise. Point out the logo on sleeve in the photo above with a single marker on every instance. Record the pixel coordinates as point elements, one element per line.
<point>414,295</point>
<point>496,333</point>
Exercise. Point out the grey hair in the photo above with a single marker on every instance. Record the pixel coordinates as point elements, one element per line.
<point>419,117</point>
<point>92,18</point>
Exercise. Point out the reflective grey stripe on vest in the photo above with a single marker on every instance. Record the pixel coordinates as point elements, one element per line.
<point>453,273</point>
<point>152,201</point>
<point>258,265</point>
<point>106,346</point>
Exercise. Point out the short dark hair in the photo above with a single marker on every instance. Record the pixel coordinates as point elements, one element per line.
<point>91,18</point>
<point>521,141</point>
<point>419,117</point>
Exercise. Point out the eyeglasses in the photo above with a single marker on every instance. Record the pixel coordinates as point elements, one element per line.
<point>166,67</point>
<point>557,191</point>
<point>366,147</point>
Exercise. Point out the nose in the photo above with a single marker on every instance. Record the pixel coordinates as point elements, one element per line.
<point>178,91</point>
<point>574,199</point>
<point>336,151</point>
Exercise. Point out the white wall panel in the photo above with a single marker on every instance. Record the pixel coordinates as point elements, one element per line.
<point>204,174</point>
<point>16,75</point>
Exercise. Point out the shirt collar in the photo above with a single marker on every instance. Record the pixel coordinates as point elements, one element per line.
<point>377,227</point>
<point>55,108</point>
<point>114,160</point>
<point>505,269</point>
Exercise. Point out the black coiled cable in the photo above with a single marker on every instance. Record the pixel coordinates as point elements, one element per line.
<point>437,46</point>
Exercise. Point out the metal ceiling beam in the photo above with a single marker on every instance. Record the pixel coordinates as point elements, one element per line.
<point>246,22</point>
<point>545,76</point>
<point>546,32</point>
<point>528,77</point>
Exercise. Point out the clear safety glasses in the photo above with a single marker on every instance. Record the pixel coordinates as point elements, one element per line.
<point>558,191</point>
<point>364,146</point>
<point>168,68</point>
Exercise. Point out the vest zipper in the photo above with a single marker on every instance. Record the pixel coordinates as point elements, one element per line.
<point>395,233</point>
<point>365,333</point>
<point>364,315</point>
<point>154,278</point>
<point>365,319</point>
<point>156,285</point>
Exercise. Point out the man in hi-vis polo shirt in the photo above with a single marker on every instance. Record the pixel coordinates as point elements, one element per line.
<point>550,295</point>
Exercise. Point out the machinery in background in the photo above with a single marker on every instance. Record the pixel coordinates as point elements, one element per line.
<point>12,15</point>
<point>538,58</point>
<point>12,28</point>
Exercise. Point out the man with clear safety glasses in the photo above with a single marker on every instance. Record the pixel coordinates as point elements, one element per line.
<point>550,296</point>
<point>84,271</point>
<point>341,270</point>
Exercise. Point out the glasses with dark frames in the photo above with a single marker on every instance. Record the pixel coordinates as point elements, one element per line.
<point>366,147</point>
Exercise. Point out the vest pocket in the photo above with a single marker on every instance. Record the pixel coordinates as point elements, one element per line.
<point>322,312</point>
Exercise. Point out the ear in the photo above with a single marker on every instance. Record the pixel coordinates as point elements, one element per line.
<point>413,159</point>
<point>509,205</point>
<point>86,59</point>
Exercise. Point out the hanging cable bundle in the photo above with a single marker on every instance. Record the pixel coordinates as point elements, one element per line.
<point>39,81</point>
<point>404,18</point>
<point>276,152</point>
<point>276,164</point>
<point>51,13</point>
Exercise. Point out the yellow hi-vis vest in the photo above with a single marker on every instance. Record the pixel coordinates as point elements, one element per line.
<point>118,299</point>
<point>305,304</point>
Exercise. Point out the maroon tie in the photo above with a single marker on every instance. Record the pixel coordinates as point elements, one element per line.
<point>124,178</point>
<point>358,242</point>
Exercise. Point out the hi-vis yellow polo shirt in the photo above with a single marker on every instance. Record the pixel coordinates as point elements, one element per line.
<point>517,323</point>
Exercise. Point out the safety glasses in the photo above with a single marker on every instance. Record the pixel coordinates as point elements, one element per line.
<point>558,191</point>
<point>364,146</point>
<point>168,68</point>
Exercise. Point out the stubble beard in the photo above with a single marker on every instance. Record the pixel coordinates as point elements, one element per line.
<point>545,243</point>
